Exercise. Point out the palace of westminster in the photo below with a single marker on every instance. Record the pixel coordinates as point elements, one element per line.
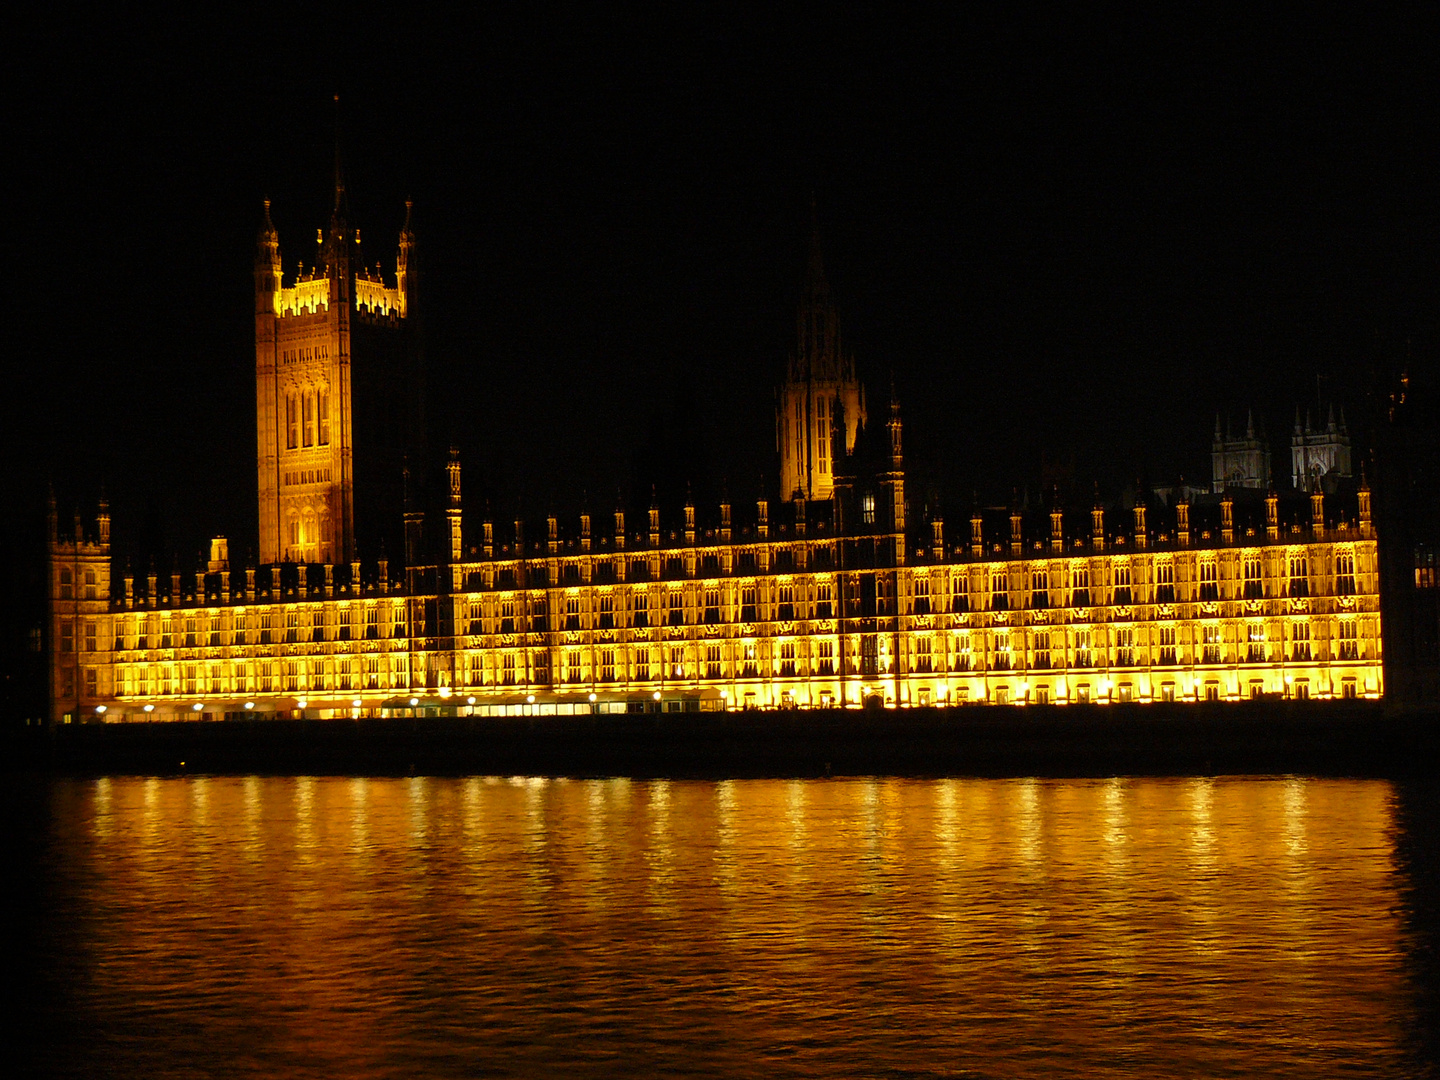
<point>832,595</point>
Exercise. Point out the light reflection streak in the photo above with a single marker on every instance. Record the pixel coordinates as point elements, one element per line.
<point>1011,927</point>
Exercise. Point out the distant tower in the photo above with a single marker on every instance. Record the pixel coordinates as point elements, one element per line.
<point>1320,452</point>
<point>338,387</point>
<point>1239,462</point>
<point>820,386</point>
<point>78,590</point>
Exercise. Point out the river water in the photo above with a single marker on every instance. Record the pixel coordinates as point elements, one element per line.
<point>338,927</point>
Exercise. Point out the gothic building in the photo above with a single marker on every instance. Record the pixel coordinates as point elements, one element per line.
<point>338,390</point>
<point>1319,456</point>
<point>820,393</point>
<point>836,594</point>
<point>1239,462</point>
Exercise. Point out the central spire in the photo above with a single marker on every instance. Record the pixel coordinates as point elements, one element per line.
<point>816,287</point>
<point>818,353</point>
<point>338,212</point>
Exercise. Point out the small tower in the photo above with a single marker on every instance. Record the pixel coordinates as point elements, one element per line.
<point>1239,462</point>
<point>79,624</point>
<point>453,511</point>
<point>1367,528</point>
<point>1317,455</point>
<point>893,481</point>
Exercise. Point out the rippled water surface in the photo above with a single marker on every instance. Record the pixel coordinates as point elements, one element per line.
<point>364,928</point>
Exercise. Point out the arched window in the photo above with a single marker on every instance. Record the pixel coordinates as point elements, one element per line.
<point>322,414</point>
<point>308,404</point>
<point>292,422</point>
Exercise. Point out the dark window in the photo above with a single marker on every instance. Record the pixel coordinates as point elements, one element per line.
<point>869,655</point>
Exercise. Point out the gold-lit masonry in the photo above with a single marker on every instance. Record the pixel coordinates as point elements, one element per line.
<point>719,620</point>
<point>828,599</point>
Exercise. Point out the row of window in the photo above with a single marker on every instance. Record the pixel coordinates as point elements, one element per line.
<point>307,419</point>
<point>1083,583</point>
<point>963,652</point>
<point>68,590</point>
<point>264,628</point>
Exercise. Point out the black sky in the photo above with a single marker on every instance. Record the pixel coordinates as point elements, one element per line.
<point>1061,236</point>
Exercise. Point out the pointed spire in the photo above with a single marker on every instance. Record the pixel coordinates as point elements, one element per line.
<point>1249,423</point>
<point>818,327</point>
<point>339,174</point>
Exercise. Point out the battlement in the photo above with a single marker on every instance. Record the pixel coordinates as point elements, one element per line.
<point>373,295</point>
<point>305,297</point>
<point>311,295</point>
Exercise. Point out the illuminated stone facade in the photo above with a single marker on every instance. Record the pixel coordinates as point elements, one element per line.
<point>781,612</point>
<point>829,598</point>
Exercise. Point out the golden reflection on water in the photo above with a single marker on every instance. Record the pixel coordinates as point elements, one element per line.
<point>367,927</point>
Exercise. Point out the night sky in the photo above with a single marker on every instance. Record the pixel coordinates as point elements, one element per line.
<point>1062,238</point>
